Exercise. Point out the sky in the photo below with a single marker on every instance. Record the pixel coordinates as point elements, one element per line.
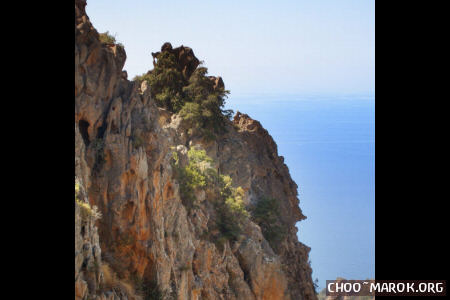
<point>258,47</point>
<point>306,70</point>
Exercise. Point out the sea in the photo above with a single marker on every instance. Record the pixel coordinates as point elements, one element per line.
<point>328,143</point>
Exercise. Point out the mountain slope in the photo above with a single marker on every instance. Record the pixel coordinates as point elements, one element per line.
<point>150,242</point>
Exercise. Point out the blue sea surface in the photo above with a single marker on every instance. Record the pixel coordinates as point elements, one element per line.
<point>329,146</point>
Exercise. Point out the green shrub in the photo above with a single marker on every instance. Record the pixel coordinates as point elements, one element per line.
<point>195,98</point>
<point>107,38</point>
<point>167,82</point>
<point>140,78</point>
<point>208,113</point>
<point>199,157</point>
<point>266,214</point>
<point>190,113</point>
<point>192,176</point>
<point>77,190</point>
<point>86,210</point>
<point>228,201</point>
<point>231,210</point>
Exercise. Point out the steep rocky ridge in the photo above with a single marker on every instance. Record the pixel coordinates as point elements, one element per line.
<point>146,238</point>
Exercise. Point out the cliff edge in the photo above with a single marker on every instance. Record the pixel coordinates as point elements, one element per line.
<point>164,214</point>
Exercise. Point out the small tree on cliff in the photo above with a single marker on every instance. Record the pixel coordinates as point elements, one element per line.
<point>231,209</point>
<point>266,214</point>
<point>107,38</point>
<point>167,83</point>
<point>196,98</point>
<point>204,108</point>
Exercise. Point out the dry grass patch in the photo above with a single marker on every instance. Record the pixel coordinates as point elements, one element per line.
<point>111,282</point>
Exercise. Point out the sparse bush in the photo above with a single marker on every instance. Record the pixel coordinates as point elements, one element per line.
<point>77,190</point>
<point>231,210</point>
<point>167,82</point>
<point>107,38</point>
<point>192,176</point>
<point>195,98</point>
<point>266,214</point>
<point>190,113</point>
<point>233,196</point>
<point>206,109</point>
<point>86,210</point>
<point>109,277</point>
<point>228,201</point>
<point>139,78</point>
<point>111,281</point>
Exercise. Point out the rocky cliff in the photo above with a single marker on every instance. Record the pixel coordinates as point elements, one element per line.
<point>145,242</point>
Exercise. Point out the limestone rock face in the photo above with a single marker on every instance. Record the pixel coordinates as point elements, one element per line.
<point>87,252</point>
<point>146,240</point>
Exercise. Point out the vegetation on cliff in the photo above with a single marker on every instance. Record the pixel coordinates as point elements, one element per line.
<point>266,214</point>
<point>87,211</point>
<point>194,175</point>
<point>198,174</point>
<point>196,96</point>
<point>231,209</point>
<point>109,39</point>
<point>148,243</point>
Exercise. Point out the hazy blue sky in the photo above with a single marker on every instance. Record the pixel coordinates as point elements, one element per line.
<point>258,47</point>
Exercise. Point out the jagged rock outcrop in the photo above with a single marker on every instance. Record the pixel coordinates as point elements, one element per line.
<point>186,60</point>
<point>148,243</point>
<point>218,82</point>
